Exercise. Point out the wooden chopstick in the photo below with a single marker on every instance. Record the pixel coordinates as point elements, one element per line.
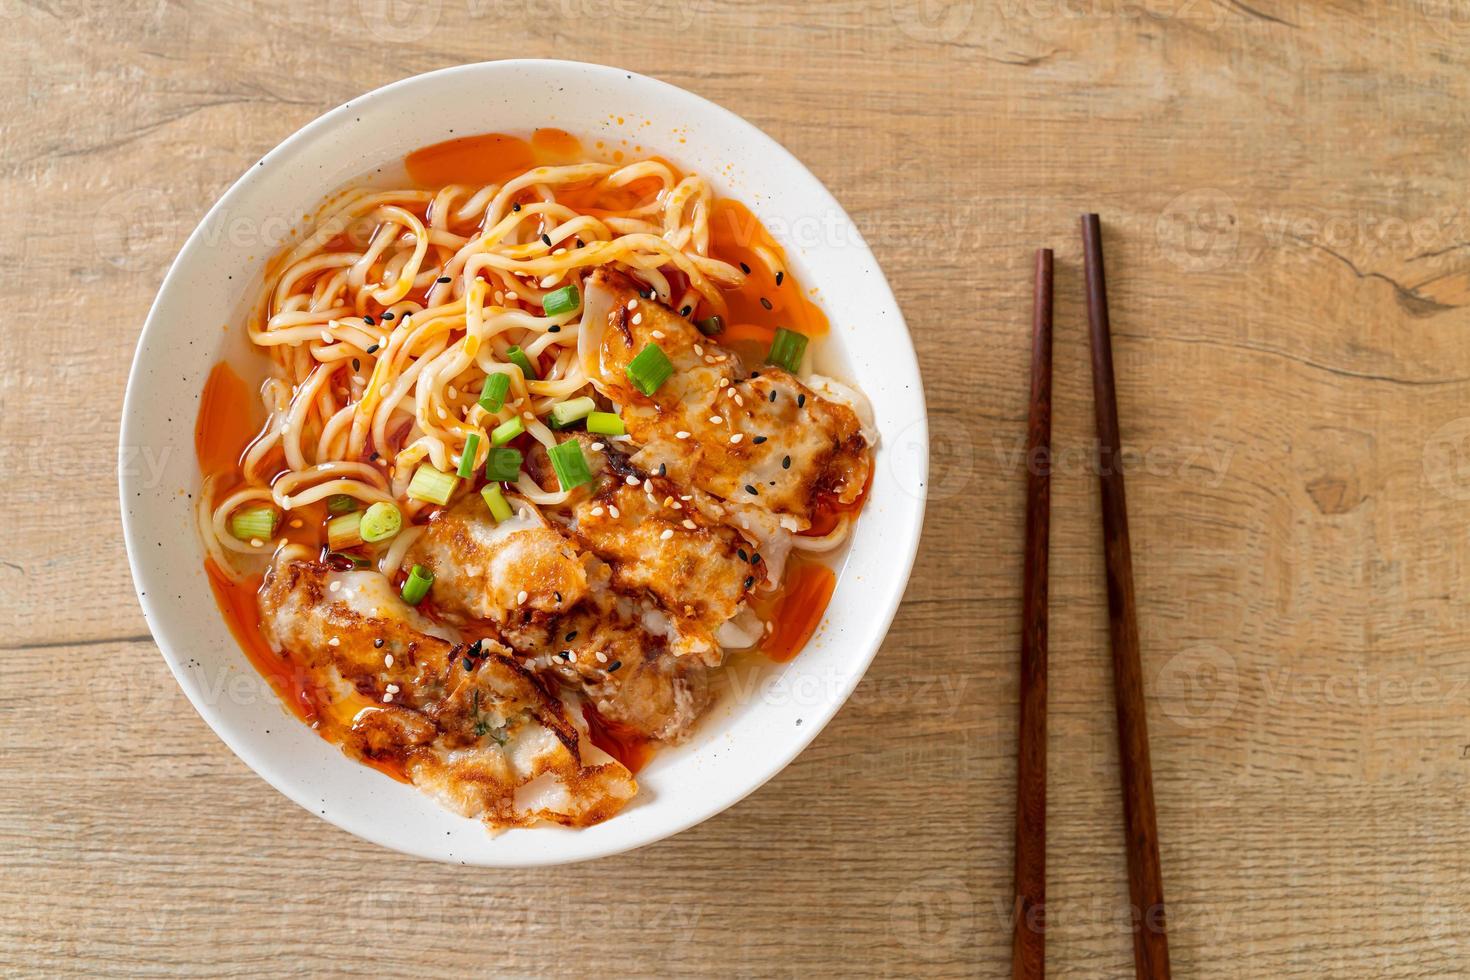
<point>1145,877</point>
<point>1028,949</point>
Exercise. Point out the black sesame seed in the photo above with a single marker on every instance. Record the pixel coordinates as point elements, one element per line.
<point>786,462</point>
<point>773,394</point>
<point>373,457</point>
<point>368,320</point>
<point>378,643</point>
<point>755,559</point>
<point>571,636</point>
<point>558,597</point>
<point>387,317</point>
<point>745,268</point>
<point>685,310</point>
<point>469,664</point>
<point>516,206</point>
<point>742,554</point>
<point>614,666</point>
<point>780,274</point>
<point>565,654</point>
<point>447,279</point>
<point>758,440</point>
<point>765,302</point>
<point>663,469</point>
<point>545,239</point>
<point>553,329</point>
<point>751,489</point>
<point>580,243</point>
<point>356,364</point>
<point>749,581</point>
<point>755,374</point>
<point>373,349</point>
<point>801,401</point>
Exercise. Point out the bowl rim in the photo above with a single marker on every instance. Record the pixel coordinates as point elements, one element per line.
<point>892,592</point>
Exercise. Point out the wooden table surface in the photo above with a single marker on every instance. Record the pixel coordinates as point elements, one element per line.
<point>1283,185</point>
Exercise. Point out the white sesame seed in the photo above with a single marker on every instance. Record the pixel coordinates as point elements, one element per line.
<point>560,251</point>
<point>387,660</point>
<point>677,506</point>
<point>736,438</point>
<point>632,304</point>
<point>690,524</point>
<point>334,641</point>
<point>334,587</point>
<point>647,485</point>
<point>698,350</point>
<point>729,392</point>
<point>598,447</point>
<point>668,501</point>
<point>668,532</point>
<point>740,401</point>
<point>724,382</point>
<point>392,689</point>
<point>715,420</point>
<point>521,598</point>
<point>597,512</point>
<point>387,698</point>
<point>632,481</point>
<point>687,496</point>
<point>453,392</point>
<point>511,296</point>
<point>655,334</point>
<point>637,319</point>
<point>256,543</point>
<point>443,414</point>
<point>612,510</point>
<point>601,657</point>
<point>326,337</point>
<point>681,434</point>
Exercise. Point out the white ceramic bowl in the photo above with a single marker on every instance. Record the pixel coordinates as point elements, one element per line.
<point>748,737</point>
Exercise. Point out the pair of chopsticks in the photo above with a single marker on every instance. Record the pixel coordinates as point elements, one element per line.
<point>1145,880</point>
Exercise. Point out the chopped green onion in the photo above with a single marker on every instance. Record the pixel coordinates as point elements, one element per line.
<point>492,396</point>
<point>518,357</point>
<point>606,424</point>
<point>432,485</point>
<point>345,531</point>
<point>341,503</point>
<point>563,300</point>
<point>357,560</point>
<point>787,349</point>
<point>565,413</point>
<point>711,326</point>
<point>570,464</point>
<point>650,369</point>
<point>506,431</point>
<point>417,585</point>
<point>467,458</point>
<point>504,464</point>
<point>254,523</point>
<point>380,522</point>
<point>495,500</point>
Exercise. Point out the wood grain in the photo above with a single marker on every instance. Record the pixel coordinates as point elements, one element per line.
<point>1289,263</point>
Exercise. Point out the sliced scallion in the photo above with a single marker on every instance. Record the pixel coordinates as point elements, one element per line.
<point>503,465</point>
<point>256,522</point>
<point>711,326</point>
<point>570,465</point>
<point>345,531</point>
<point>506,431</point>
<point>492,396</point>
<point>787,349</point>
<point>467,458</point>
<point>416,587</point>
<point>494,498</point>
<point>563,300</point>
<point>380,522</point>
<point>565,413</point>
<point>341,503</point>
<point>650,369</point>
<point>432,485</point>
<point>606,424</point>
<point>518,357</point>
